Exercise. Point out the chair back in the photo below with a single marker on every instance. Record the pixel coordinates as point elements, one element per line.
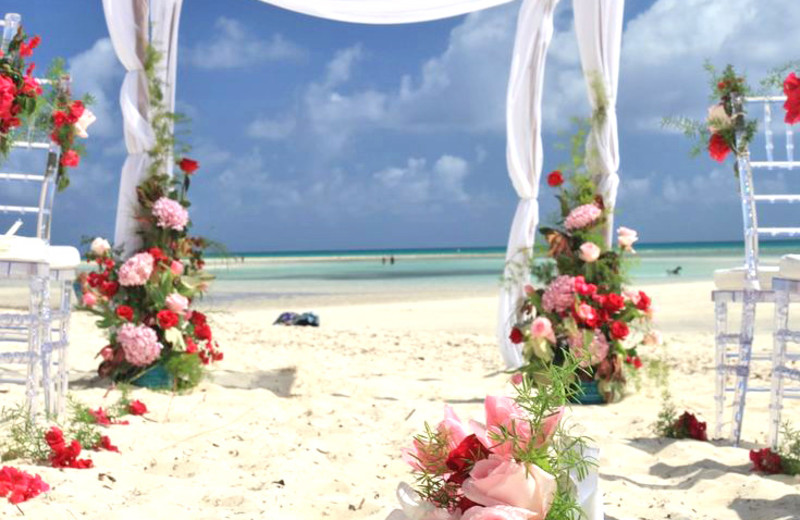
<point>777,161</point>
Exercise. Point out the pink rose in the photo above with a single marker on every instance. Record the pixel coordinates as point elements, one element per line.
<point>502,482</point>
<point>589,252</point>
<point>453,429</point>
<point>633,296</point>
<point>498,513</point>
<point>503,412</point>
<point>176,268</point>
<point>107,353</point>
<point>177,303</point>
<point>626,237</point>
<point>89,299</point>
<point>543,328</point>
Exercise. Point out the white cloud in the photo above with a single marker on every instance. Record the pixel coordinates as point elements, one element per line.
<point>234,46</point>
<point>272,129</point>
<point>97,71</point>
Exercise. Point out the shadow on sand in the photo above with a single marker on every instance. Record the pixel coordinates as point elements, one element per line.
<point>279,381</point>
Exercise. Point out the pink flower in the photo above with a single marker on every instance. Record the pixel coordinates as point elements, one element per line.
<point>170,214</point>
<point>503,413</point>
<point>633,296</point>
<point>582,216</point>
<point>136,270</point>
<point>653,339</point>
<point>498,513</point>
<point>598,348</point>
<point>176,268</point>
<point>107,353</point>
<point>529,290</point>
<point>543,328</point>
<point>626,237</point>
<point>177,303</point>
<point>140,344</point>
<point>559,295</point>
<point>517,379</point>
<point>89,299</point>
<point>502,482</point>
<point>589,252</point>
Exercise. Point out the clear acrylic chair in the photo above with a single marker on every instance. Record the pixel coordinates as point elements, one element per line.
<point>61,261</point>
<point>753,283</point>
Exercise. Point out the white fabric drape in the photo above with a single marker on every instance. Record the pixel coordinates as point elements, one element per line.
<point>385,11</point>
<point>128,28</point>
<point>598,26</point>
<point>524,156</point>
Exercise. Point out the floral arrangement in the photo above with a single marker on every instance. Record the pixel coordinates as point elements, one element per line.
<point>727,127</point>
<point>50,110</point>
<point>144,302</point>
<point>686,426</point>
<point>784,461</point>
<point>521,464</point>
<point>582,306</point>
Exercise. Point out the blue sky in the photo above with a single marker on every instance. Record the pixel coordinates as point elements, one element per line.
<point>321,135</point>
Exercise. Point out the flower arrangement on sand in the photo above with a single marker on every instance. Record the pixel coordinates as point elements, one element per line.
<point>145,301</point>
<point>520,464</point>
<point>582,305</point>
<point>50,110</point>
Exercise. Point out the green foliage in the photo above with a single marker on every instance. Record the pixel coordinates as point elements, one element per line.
<point>187,369</point>
<point>790,449</point>
<point>667,416</point>
<point>23,438</point>
<point>774,80</point>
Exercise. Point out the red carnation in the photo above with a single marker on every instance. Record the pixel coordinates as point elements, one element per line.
<point>791,87</point>
<point>555,179</point>
<point>198,318</point>
<point>688,425</point>
<point>157,254</point>
<point>137,408</point>
<point>644,301</point>
<point>70,159</point>
<point>619,330</point>
<point>202,331</point>
<point>105,444</point>
<point>461,460</point>
<point>76,110</point>
<point>26,49</point>
<point>613,303</point>
<point>766,461</point>
<point>59,118</point>
<point>718,147</point>
<point>516,336</point>
<point>167,319</point>
<point>109,289</point>
<point>125,312</point>
<point>189,166</point>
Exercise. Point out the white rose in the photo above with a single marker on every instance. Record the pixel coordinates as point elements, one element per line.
<point>100,246</point>
<point>83,122</point>
<point>626,237</point>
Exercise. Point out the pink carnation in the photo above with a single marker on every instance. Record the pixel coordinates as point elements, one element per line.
<point>598,348</point>
<point>559,295</point>
<point>582,216</point>
<point>140,344</point>
<point>170,214</point>
<point>136,270</point>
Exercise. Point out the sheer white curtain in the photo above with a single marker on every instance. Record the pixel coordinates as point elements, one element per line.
<point>598,26</point>
<point>166,15</point>
<point>524,156</point>
<point>385,11</point>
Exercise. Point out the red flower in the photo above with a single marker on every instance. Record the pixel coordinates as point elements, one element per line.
<point>587,315</point>
<point>613,303</point>
<point>583,288</point>
<point>70,159</point>
<point>718,147</point>
<point>76,110</point>
<point>191,346</point>
<point>157,254</point>
<point>189,166</point>
<point>30,87</point>
<point>461,460</point>
<point>721,85</point>
<point>644,301</point>
<point>59,118</point>
<point>105,444</point>
<point>688,425</point>
<point>635,361</point>
<point>109,289</point>
<point>26,48</point>
<point>516,336</point>
<point>63,455</point>
<point>198,318</point>
<point>766,461</point>
<point>167,319</point>
<point>54,437</point>
<point>100,417</point>
<point>555,179</point>
<point>791,87</point>
<point>20,486</point>
<point>137,408</point>
<point>202,332</point>
<point>618,330</point>
<point>125,312</point>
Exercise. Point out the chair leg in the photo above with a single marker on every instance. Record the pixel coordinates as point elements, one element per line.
<point>743,366</point>
<point>63,343</point>
<point>720,348</point>
<point>35,340</point>
<point>780,329</point>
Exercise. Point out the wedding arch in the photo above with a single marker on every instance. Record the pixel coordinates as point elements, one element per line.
<point>134,24</point>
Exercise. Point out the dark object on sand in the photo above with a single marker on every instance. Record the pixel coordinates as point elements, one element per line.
<point>674,272</point>
<point>307,319</point>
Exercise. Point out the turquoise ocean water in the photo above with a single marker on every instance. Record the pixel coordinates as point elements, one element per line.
<point>453,271</point>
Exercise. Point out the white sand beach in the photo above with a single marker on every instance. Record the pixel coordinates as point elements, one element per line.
<point>303,423</point>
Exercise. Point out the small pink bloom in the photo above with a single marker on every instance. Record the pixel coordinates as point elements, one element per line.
<point>176,268</point>
<point>139,343</point>
<point>136,270</point>
<point>529,290</point>
<point>559,295</point>
<point>543,328</point>
<point>502,482</point>
<point>626,237</point>
<point>503,412</point>
<point>170,214</point>
<point>582,217</point>
<point>107,353</point>
<point>177,303</point>
<point>89,299</point>
<point>598,348</point>
<point>633,296</point>
<point>517,379</point>
<point>589,252</point>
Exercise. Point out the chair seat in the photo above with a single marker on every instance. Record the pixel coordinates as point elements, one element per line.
<point>27,249</point>
<point>733,279</point>
<point>789,267</point>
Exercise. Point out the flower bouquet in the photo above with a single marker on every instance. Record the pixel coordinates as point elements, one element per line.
<point>144,302</point>
<point>18,89</point>
<point>583,306</point>
<point>522,464</point>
